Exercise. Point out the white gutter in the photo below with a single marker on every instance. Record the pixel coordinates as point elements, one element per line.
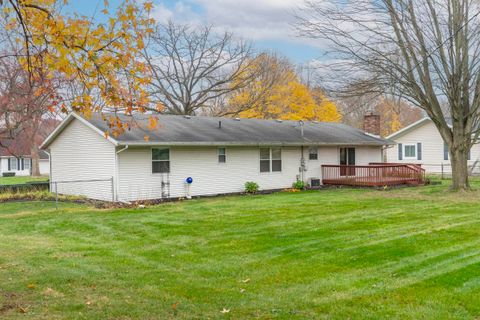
<point>115,180</point>
<point>253,144</point>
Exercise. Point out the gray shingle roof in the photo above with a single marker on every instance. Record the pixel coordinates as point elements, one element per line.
<point>199,130</point>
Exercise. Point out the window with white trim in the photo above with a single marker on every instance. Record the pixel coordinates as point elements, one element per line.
<point>270,159</point>
<point>26,163</point>
<point>160,160</point>
<point>410,151</point>
<point>313,153</point>
<point>13,164</point>
<point>222,155</point>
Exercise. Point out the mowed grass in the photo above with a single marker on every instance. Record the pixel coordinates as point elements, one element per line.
<point>21,179</point>
<point>331,254</point>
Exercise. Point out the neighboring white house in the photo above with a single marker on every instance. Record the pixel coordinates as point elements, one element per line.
<point>219,154</point>
<point>21,164</point>
<point>421,143</point>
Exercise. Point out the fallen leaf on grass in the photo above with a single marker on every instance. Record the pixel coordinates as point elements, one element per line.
<point>31,286</point>
<point>22,309</point>
<point>246,280</point>
<point>225,310</point>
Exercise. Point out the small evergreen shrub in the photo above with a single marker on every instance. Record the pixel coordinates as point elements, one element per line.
<point>8,174</point>
<point>251,187</point>
<point>299,185</point>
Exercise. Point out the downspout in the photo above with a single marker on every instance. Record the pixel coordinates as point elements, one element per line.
<point>302,165</point>
<point>116,187</point>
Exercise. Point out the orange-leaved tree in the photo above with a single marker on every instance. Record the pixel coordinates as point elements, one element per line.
<point>283,96</point>
<point>99,54</point>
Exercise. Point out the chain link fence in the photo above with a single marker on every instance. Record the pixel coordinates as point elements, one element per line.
<point>97,189</point>
<point>444,170</point>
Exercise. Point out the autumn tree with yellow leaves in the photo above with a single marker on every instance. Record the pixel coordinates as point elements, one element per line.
<point>281,96</point>
<point>100,57</point>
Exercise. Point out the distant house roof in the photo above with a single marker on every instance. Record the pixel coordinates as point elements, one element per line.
<point>5,153</point>
<point>199,130</point>
<point>415,125</point>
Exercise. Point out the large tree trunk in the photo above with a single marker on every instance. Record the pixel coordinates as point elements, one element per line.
<point>458,160</point>
<point>34,153</point>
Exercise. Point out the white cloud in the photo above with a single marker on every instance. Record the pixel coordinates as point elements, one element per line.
<point>162,14</point>
<point>251,19</point>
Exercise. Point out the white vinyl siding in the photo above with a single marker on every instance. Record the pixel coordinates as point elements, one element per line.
<point>44,166</point>
<point>209,178</point>
<point>80,153</point>
<point>433,149</point>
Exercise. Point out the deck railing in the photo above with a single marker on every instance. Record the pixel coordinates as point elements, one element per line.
<point>383,174</point>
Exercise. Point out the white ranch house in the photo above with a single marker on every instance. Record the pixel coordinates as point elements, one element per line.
<point>421,143</point>
<point>219,154</point>
<point>21,165</point>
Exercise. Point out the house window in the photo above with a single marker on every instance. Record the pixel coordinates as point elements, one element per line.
<point>270,159</point>
<point>160,160</point>
<point>12,164</point>
<point>222,155</point>
<point>26,163</point>
<point>410,151</point>
<point>313,153</point>
<point>265,160</point>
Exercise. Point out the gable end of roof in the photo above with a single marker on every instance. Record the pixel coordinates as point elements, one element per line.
<point>73,116</point>
<point>408,128</point>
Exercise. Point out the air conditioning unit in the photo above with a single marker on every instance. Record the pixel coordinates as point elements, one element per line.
<point>315,182</point>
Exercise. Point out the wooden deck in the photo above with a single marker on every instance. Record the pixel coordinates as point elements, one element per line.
<point>377,175</point>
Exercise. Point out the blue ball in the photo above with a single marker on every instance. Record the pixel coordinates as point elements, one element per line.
<point>189,180</point>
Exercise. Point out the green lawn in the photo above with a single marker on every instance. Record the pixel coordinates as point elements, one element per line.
<point>332,254</point>
<point>21,179</point>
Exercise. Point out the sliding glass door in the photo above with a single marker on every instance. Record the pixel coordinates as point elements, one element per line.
<point>347,157</point>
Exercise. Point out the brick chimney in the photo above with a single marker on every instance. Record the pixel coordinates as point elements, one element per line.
<point>371,124</point>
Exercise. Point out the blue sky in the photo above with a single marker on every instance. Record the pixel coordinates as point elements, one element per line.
<point>267,23</point>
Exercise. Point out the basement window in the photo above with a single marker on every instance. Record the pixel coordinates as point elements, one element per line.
<point>160,160</point>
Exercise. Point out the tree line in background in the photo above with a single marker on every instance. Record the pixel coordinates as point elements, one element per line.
<point>122,61</point>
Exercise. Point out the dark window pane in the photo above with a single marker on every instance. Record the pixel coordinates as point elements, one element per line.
<point>222,158</point>
<point>264,153</point>
<point>160,166</point>
<point>313,153</point>
<point>221,151</point>
<point>276,165</point>
<point>276,153</point>
<point>264,165</point>
<point>160,154</point>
